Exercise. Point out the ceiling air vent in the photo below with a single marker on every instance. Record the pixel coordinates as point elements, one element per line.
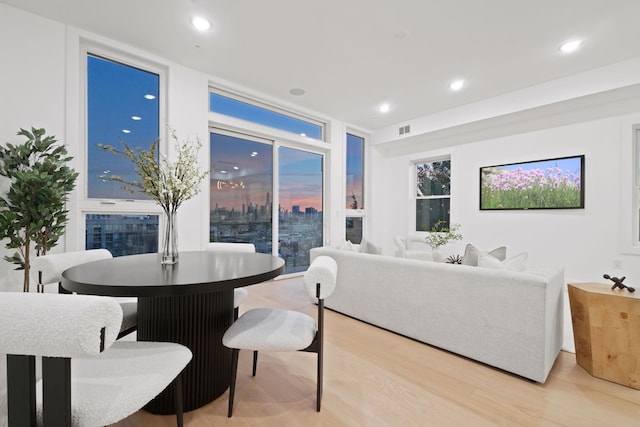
<point>404,129</point>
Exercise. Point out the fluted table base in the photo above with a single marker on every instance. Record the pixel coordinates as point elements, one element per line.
<point>198,322</point>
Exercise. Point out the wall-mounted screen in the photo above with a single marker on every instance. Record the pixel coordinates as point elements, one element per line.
<point>540,184</point>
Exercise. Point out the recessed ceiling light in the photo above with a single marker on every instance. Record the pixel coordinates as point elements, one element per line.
<point>149,96</point>
<point>126,131</point>
<point>297,91</point>
<point>456,85</point>
<point>200,23</point>
<point>384,108</point>
<point>570,47</point>
<point>136,118</point>
<point>303,134</point>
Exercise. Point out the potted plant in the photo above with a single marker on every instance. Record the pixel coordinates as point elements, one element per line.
<point>32,213</point>
<point>440,235</point>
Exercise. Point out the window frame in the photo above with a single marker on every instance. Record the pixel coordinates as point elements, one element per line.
<point>414,187</point>
<point>269,107</point>
<point>83,204</point>
<point>360,212</point>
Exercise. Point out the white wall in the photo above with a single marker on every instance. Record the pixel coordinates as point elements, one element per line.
<point>584,241</point>
<point>32,88</point>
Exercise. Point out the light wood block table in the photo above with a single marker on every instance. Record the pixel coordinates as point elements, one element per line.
<point>606,330</point>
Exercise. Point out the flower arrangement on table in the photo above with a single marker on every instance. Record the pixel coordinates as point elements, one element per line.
<point>440,235</point>
<point>168,183</point>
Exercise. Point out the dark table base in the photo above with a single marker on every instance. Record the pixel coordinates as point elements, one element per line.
<point>198,322</point>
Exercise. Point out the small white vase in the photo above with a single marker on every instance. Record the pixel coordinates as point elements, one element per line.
<point>170,238</point>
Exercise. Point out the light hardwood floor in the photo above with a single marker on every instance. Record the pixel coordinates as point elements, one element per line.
<point>377,378</point>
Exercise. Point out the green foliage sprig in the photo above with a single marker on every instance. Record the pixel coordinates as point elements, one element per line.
<point>169,184</point>
<point>33,210</point>
<point>441,235</point>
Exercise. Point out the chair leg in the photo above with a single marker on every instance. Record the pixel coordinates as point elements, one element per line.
<point>255,362</point>
<point>178,402</point>
<point>234,374</point>
<point>319,379</point>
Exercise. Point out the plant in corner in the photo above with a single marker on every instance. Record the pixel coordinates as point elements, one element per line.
<point>169,184</point>
<point>32,212</point>
<point>440,235</point>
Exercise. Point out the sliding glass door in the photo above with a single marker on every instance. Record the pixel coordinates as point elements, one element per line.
<point>241,191</point>
<point>244,191</point>
<point>300,206</point>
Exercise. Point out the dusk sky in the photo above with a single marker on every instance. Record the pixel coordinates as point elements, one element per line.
<point>117,104</point>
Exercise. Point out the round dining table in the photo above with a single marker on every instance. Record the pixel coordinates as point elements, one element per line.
<point>190,302</point>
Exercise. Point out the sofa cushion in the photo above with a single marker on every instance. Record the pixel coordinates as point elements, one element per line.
<point>346,246</point>
<point>471,254</point>
<point>369,248</point>
<point>515,263</point>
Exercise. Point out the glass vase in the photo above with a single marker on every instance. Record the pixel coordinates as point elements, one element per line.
<point>437,255</point>
<point>170,238</point>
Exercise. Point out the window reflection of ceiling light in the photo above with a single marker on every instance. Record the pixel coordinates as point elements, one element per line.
<point>126,131</point>
<point>149,96</point>
<point>570,47</point>
<point>136,118</point>
<point>384,108</point>
<point>223,171</point>
<point>200,23</point>
<point>255,153</point>
<point>303,134</point>
<point>231,185</point>
<point>236,168</point>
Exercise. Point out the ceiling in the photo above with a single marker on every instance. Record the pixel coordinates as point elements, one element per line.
<point>352,55</point>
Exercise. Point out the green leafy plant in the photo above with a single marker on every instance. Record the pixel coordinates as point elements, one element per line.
<point>440,234</point>
<point>32,213</point>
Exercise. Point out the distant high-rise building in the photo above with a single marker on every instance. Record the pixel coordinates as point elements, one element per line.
<point>295,209</point>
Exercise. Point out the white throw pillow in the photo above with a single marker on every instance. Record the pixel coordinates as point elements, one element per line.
<point>369,248</point>
<point>515,263</point>
<point>471,254</point>
<point>346,246</point>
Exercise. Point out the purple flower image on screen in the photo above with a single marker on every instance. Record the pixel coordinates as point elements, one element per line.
<point>544,184</point>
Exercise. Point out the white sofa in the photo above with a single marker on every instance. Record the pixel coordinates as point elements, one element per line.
<point>510,320</point>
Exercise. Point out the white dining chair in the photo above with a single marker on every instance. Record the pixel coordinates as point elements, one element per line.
<point>239,294</point>
<point>88,378</point>
<point>48,269</point>
<point>272,329</point>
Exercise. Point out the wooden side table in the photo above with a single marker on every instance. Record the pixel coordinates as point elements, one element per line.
<point>606,330</point>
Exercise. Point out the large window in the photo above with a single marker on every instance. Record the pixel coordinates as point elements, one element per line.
<point>354,188</point>
<point>256,112</point>
<point>123,103</point>
<point>433,193</point>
